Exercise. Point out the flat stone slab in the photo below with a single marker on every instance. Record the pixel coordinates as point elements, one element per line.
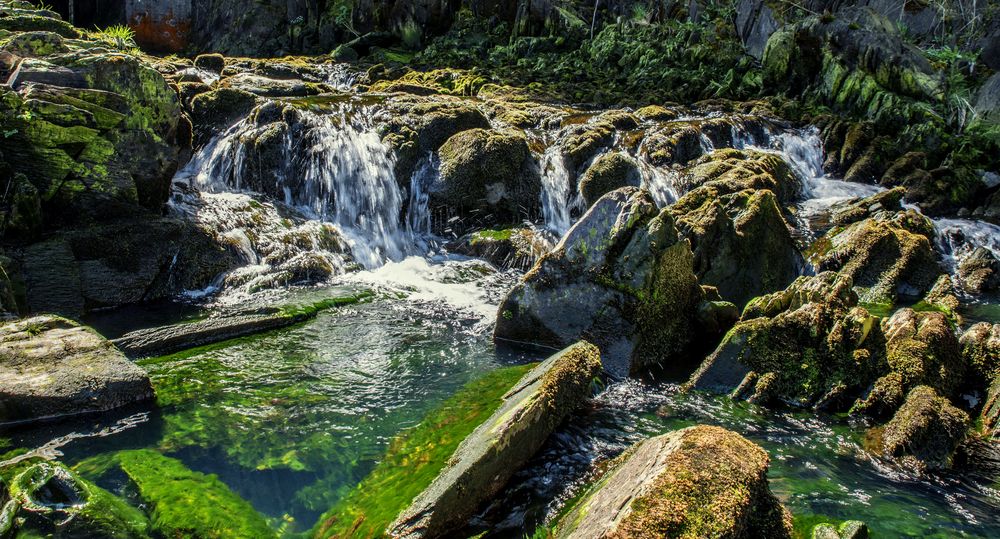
<point>51,366</point>
<point>488,457</point>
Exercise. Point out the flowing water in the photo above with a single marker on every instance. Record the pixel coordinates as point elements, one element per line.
<point>292,420</point>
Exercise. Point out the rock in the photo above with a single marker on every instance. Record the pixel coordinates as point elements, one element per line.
<point>215,63</point>
<point>981,353</point>
<point>513,248</point>
<point>489,172</point>
<point>811,336</point>
<point>52,367</point>
<point>269,87</point>
<point>923,349</point>
<point>173,338</point>
<point>755,22</point>
<point>579,143</point>
<point>988,100</point>
<point>656,113</point>
<point>620,278</point>
<point>489,456</point>
<point>886,256</point>
<point>925,431</point>
<point>47,499</point>
<point>214,111</point>
<point>852,529</point>
<point>696,482</point>
<point>608,172</point>
<point>979,271</point>
<point>851,211</point>
<point>736,225</point>
<point>855,60</point>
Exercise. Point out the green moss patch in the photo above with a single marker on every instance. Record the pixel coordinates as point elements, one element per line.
<point>415,458</point>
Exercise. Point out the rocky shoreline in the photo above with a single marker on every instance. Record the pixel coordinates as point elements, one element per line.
<point>809,236</point>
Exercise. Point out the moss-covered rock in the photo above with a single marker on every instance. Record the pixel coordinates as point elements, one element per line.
<point>851,211</point>
<point>45,499</point>
<point>608,172</point>
<point>981,352</point>
<point>979,271</point>
<point>886,256</point>
<point>51,367</point>
<point>218,109</point>
<point>621,278</point>
<point>486,171</point>
<point>925,431</point>
<point>731,171</point>
<point>512,248</point>
<point>216,63</point>
<point>697,482</point>
<point>488,457</point>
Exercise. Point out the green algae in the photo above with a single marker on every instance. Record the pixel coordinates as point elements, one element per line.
<point>415,458</point>
<point>185,503</point>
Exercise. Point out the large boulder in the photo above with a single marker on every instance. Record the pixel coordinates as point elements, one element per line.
<point>886,256</point>
<point>925,431</point>
<point>696,482</point>
<point>981,352</point>
<point>609,171</point>
<point>485,172</point>
<point>50,367</point>
<point>736,224</point>
<point>489,456</point>
<point>621,278</point>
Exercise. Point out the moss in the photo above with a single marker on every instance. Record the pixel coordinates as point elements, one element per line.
<point>184,503</point>
<point>609,171</point>
<point>493,235</point>
<point>925,431</point>
<point>415,458</point>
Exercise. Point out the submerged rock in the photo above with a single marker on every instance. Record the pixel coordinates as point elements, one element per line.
<point>47,499</point>
<point>696,482</point>
<point>51,367</point>
<point>620,278</point>
<point>489,456</point>
<point>925,431</point>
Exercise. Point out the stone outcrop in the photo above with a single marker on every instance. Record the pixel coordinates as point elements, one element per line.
<point>696,482</point>
<point>489,456</point>
<point>51,367</point>
<point>925,431</point>
<point>621,278</point>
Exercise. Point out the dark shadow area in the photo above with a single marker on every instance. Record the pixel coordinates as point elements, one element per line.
<point>90,13</point>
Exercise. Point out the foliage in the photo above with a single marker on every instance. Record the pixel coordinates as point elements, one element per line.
<point>119,36</point>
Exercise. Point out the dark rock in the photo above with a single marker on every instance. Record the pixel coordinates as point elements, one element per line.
<point>215,63</point>
<point>988,100</point>
<point>620,278</point>
<point>514,248</point>
<point>215,111</point>
<point>52,367</point>
<point>489,456</point>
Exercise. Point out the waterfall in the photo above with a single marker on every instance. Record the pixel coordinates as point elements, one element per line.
<point>660,182</point>
<point>957,238</point>
<point>333,167</point>
<point>555,191</point>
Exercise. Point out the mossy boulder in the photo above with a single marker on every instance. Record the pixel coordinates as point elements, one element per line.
<point>608,172</point>
<point>47,499</point>
<point>730,171</point>
<point>52,367</point>
<point>488,457</point>
<point>925,431</point>
<point>696,482</point>
<point>216,63</point>
<point>579,143</point>
<point>216,110</point>
<point>979,272</point>
<point>489,172</point>
<point>270,87</point>
<point>621,278</point>
<point>886,256</point>
<point>850,211</point>
<point>852,529</point>
<point>981,353</point>
<point>808,345</point>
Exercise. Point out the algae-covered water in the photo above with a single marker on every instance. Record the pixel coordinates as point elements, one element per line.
<point>292,421</point>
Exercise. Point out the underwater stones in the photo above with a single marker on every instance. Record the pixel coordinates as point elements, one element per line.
<point>620,278</point>
<point>700,481</point>
<point>50,367</point>
<point>489,172</point>
<point>47,499</point>
<point>925,431</point>
<point>979,271</point>
<point>608,172</point>
<point>885,256</point>
<point>168,339</point>
<point>489,456</point>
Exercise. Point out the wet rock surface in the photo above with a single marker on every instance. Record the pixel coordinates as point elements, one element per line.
<point>53,367</point>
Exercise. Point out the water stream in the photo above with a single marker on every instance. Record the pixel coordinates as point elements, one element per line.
<point>291,420</point>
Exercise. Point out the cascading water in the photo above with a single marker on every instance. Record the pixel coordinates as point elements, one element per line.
<point>334,167</point>
<point>555,191</point>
